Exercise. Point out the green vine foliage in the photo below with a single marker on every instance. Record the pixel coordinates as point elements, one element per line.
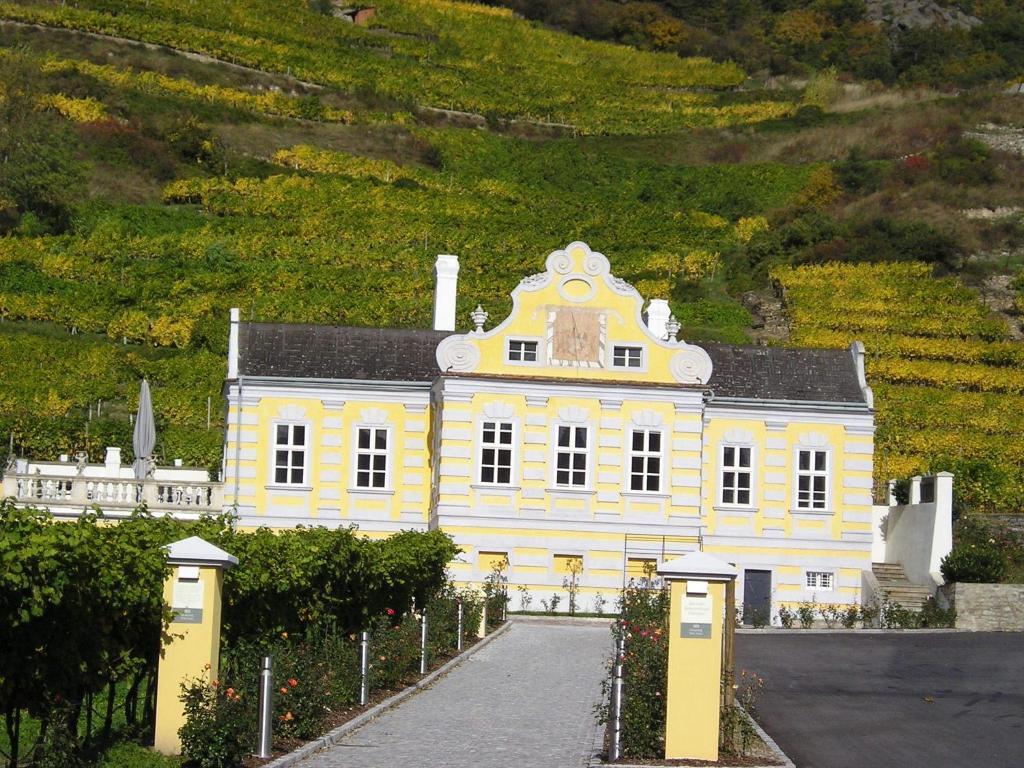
<point>82,600</point>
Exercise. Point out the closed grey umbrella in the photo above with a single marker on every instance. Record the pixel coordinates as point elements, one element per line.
<point>144,436</point>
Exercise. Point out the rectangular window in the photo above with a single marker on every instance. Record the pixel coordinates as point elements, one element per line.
<point>819,580</point>
<point>372,457</point>
<point>522,351</point>
<point>645,460</point>
<point>736,474</point>
<point>812,479</point>
<point>496,452</point>
<point>571,457</point>
<point>289,454</point>
<point>627,357</point>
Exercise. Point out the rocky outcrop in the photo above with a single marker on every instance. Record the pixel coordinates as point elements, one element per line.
<point>911,14</point>
<point>1006,138</point>
<point>770,324</point>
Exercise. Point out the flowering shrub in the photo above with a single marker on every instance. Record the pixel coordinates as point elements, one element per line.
<point>644,626</point>
<point>315,674</point>
<point>219,730</point>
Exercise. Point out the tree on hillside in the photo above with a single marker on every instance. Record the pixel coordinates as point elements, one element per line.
<point>39,173</point>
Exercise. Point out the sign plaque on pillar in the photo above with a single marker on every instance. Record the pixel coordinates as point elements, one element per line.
<point>187,596</point>
<point>697,611</point>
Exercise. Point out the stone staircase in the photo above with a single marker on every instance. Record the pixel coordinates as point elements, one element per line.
<point>894,586</point>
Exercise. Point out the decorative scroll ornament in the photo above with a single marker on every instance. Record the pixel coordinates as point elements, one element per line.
<point>559,262</point>
<point>691,366</point>
<point>457,354</point>
<point>535,282</point>
<point>596,264</point>
<point>621,286</point>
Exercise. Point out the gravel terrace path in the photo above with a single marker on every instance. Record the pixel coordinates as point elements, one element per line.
<point>525,700</point>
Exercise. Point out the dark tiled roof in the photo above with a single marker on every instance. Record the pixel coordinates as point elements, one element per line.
<point>407,354</point>
<point>338,352</point>
<point>784,373</point>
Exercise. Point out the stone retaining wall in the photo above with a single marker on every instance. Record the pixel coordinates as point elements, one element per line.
<point>1015,522</point>
<point>986,607</point>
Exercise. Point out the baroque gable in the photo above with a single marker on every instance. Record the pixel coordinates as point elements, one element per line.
<point>576,315</point>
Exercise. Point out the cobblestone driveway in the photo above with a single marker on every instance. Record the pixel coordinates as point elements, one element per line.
<point>526,700</point>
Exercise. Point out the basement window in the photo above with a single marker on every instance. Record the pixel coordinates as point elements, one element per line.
<point>822,580</point>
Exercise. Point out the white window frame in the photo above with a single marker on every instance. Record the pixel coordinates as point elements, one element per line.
<point>586,452</point>
<point>642,368</point>
<point>388,453</point>
<point>809,572</point>
<point>661,454</point>
<point>482,446</point>
<point>307,447</point>
<point>525,340</point>
<point>812,473</point>
<point>735,468</point>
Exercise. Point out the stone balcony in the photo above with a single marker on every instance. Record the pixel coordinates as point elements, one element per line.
<point>67,488</point>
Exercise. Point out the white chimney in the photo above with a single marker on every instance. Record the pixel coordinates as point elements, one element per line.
<point>112,462</point>
<point>658,314</point>
<point>445,289</point>
<point>236,316</point>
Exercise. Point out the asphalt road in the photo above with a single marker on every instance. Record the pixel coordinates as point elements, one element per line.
<point>891,700</point>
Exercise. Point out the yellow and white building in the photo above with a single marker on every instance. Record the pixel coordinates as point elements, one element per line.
<point>576,435</point>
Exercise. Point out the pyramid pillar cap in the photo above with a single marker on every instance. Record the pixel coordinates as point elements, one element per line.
<point>697,565</point>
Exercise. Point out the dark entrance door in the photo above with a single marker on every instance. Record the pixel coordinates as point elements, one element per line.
<point>757,597</point>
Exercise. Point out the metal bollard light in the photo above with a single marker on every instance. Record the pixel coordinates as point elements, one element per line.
<point>364,667</point>
<point>615,752</point>
<point>458,643</point>
<point>266,707</point>
<point>423,641</point>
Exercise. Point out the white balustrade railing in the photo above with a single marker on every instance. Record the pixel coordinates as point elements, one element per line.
<point>82,492</point>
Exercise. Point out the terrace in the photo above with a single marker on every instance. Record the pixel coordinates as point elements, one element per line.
<point>67,488</point>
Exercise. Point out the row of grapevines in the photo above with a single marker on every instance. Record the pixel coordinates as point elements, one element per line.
<point>948,385</point>
<point>1000,353</point>
<point>267,103</point>
<point>438,54</point>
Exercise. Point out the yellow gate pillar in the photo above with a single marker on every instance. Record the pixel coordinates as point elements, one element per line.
<point>697,583</point>
<point>193,590</point>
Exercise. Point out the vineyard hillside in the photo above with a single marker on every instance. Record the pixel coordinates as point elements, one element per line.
<point>165,160</point>
<point>949,385</point>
